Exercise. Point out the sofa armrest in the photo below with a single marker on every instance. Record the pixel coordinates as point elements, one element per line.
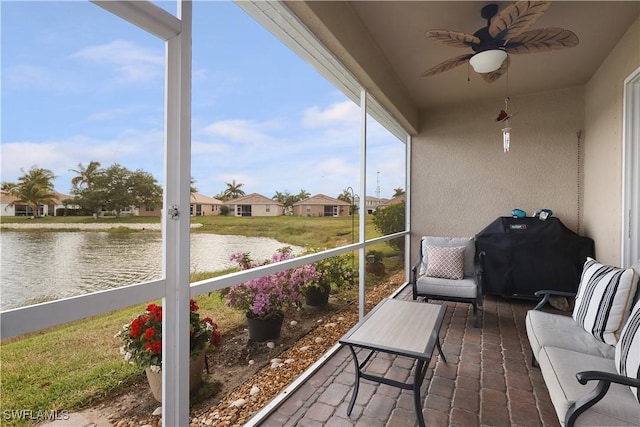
<point>546,294</point>
<point>586,376</point>
<point>588,400</point>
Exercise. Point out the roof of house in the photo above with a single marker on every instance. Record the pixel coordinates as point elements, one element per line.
<point>394,201</point>
<point>7,198</point>
<point>253,199</point>
<point>204,200</point>
<point>321,199</point>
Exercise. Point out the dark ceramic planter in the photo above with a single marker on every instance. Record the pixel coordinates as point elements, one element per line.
<point>316,297</point>
<point>261,330</point>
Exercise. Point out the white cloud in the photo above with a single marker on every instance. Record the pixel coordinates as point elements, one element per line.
<point>133,63</point>
<point>31,76</point>
<point>112,114</point>
<point>344,112</point>
<point>132,149</point>
<point>245,131</point>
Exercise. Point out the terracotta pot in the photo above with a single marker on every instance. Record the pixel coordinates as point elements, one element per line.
<point>376,268</point>
<point>265,329</point>
<point>196,365</point>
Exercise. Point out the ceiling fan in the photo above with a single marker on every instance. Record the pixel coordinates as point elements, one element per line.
<point>504,35</point>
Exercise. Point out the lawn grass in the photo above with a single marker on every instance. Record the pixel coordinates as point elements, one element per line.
<point>70,366</point>
<point>74,365</point>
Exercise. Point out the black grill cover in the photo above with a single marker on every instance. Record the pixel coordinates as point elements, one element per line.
<point>524,255</point>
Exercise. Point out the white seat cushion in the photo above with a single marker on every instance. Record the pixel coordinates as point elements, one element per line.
<point>556,330</point>
<point>465,288</point>
<point>559,367</point>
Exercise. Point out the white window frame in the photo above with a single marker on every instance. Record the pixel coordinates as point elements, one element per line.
<point>630,251</point>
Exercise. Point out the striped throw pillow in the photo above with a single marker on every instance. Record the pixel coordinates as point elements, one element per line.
<point>447,263</point>
<point>604,299</point>
<point>628,349</point>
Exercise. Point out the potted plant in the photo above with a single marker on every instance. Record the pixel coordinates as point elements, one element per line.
<point>142,339</point>
<point>374,263</point>
<point>332,272</point>
<point>264,299</point>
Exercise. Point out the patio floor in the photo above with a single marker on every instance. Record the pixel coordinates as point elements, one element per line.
<point>487,380</point>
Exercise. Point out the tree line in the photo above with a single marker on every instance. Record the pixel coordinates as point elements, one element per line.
<point>117,189</point>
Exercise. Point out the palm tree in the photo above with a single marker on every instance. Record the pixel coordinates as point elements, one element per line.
<point>345,196</point>
<point>7,187</point>
<point>233,190</point>
<point>398,192</point>
<point>303,195</point>
<point>86,176</point>
<point>192,188</point>
<point>34,188</point>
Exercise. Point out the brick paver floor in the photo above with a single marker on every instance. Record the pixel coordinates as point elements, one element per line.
<point>488,379</point>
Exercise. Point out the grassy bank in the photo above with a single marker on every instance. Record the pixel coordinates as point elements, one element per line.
<point>301,231</point>
<point>69,367</point>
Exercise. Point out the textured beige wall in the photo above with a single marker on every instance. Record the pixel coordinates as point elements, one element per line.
<point>603,146</point>
<point>461,179</point>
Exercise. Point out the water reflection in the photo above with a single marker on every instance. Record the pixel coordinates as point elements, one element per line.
<point>41,266</point>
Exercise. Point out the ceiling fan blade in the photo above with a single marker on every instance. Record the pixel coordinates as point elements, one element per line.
<point>515,18</point>
<point>495,75</point>
<point>447,65</point>
<point>542,40</point>
<point>452,38</point>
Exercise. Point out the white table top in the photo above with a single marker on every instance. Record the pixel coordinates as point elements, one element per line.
<point>408,328</point>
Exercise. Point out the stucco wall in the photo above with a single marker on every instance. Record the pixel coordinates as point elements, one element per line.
<point>603,146</point>
<point>461,179</point>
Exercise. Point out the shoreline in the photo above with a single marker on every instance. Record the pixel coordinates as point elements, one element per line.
<point>85,227</point>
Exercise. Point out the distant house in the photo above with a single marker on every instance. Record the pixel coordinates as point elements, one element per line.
<point>371,203</point>
<point>202,205</point>
<point>60,203</point>
<point>254,205</point>
<point>321,205</point>
<point>393,201</point>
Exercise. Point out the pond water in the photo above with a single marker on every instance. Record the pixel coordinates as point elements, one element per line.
<point>42,266</point>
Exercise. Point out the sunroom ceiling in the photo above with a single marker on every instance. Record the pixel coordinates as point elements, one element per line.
<point>390,35</point>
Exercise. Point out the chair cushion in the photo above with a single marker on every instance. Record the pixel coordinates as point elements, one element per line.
<point>604,299</point>
<point>465,288</point>
<point>450,242</point>
<point>447,263</point>
<point>559,330</point>
<point>627,355</point>
<point>559,367</point>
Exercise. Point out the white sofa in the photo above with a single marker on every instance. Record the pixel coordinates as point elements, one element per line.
<point>580,371</point>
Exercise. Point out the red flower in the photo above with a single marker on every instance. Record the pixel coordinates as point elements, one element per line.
<point>156,312</point>
<point>136,326</point>
<point>192,305</point>
<point>149,333</point>
<point>156,347</point>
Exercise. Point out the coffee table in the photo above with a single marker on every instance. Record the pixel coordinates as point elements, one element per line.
<point>404,328</point>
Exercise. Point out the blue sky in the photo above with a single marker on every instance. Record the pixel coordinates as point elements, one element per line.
<point>80,84</point>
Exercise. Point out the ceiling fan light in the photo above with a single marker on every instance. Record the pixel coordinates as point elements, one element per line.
<point>488,60</point>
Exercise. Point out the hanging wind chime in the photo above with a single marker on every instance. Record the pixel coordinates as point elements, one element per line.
<point>504,117</point>
<point>506,130</point>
